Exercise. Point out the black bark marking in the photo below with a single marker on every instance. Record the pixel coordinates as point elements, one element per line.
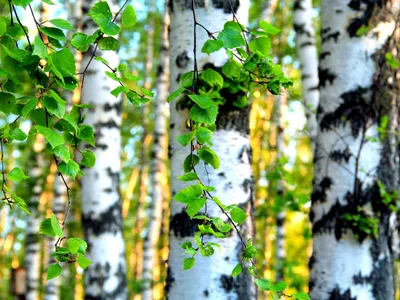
<point>325,75</point>
<point>363,18</point>
<point>169,281</point>
<point>226,283</point>
<point>319,192</point>
<point>306,44</point>
<point>221,174</point>
<point>337,295</point>
<point>182,226</point>
<point>226,5</point>
<point>298,5</point>
<point>355,109</point>
<point>206,293</point>
<point>117,106</point>
<point>182,60</point>
<point>331,36</point>
<point>300,29</point>
<point>324,54</point>
<point>340,155</point>
<point>247,183</point>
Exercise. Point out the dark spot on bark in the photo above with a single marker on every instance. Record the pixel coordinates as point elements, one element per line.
<point>324,54</point>
<point>227,5</point>
<point>226,282</point>
<point>101,146</point>
<point>169,281</point>
<point>363,18</point>
<point>354,109</point>
<point>297,5</point>
<point>247,184</point>
<point>117,106</point>
<point>169,151</point>
<point>305,76</point>
<point>182,60</point>
<point>221,174</point>
<point>331,36</point>
<point>182,226</point>
<point>354,4</point>
<point>319,192</point>
<point>301,29</point>
<point>313,88</point>
<point>226,258</point>
<point>339,11</point>
<point>325,75</point>
<point>305,44</point>
<point>206,293</point>
<point>337,295</point>
<point>107,190</point>
<point>340,155</point>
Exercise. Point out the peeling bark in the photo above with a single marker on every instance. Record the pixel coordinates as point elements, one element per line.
<point>101,203</point>
<point>211,276</point>
<point>347,262</point>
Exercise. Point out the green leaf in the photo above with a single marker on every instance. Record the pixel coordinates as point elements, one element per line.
<point>238,215</point>
<point>64,61</point>
<point>57,98</point>
<point>70,168</point>
<point>7,102</point>
<point>81,41</point>
<point>118,90</point>
<point>190,160</point>
<point>76,244</point>
<point>260,45</point>
<point>22,3</point>
<point>188,263</point>
<point>231,38</point>
<point>175,94</point>
<point>129,17</point>
<point>268,28</point>
<point>237,270</point>
<point>62,152</point>
<point>88,159</point>
<point>54,33</point>
<point>83,262</point>
<point>209,157</point>
<point>186,138</point>
<point>53,107</point>
<point>202,101</point>
<point>51,136</point>
<point>16,174</point>
<point>39,48</point>
<point>213,78</point>
<point>206,116</point>
<point>56,226</point>
<point>46,228</point>
<point>102,16</point>
<point>86,134</point>
<point>29,106</point>
<point>61,23</point>
<point>203,135</point>
<point>194,206</point>
<point>263,284</point>
<point>231,69</point>
<point>188,177</point>
<point>18,134</point>
<point>301,296</point>
<point>189,193</point>
<point>279,287</point>
<point>108,43</point>
<point>211,46</point>
<point>53,271</point>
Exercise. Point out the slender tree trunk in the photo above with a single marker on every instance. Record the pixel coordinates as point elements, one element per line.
<point>280,252</point>
<point>308,56</point>
<point>269,7</point>
<point>32,243</point>
<point>349,261</point>
<point>158,167</point>
<point>211,276</point>
<point>101,202</point>
<point>52,291</point>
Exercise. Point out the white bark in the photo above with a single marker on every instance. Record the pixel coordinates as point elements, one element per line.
<point>32,244</point>
<point>211,276</point>
<point>158,165</point>
<point>269,7</point>
<point>308,57</point>
<point>52,291</point>
<point>351,80</point>
<point>101,203</point>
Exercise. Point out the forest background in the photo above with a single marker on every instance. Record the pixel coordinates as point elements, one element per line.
<point>282,162</point>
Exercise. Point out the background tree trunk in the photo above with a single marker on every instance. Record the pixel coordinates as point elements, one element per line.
<point>347,261</point>
<point>158,168</point>
<point>233,180</point>
<point>101,203</point>
<point>308,57</point>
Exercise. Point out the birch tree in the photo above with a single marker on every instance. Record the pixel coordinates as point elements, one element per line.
<point>211,276</point>
<point>356,170</point>
<point>158,165</point>
<point>101,203</point>
<point>308,57</point>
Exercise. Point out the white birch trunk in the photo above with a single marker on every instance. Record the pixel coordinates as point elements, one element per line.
<point>158,167</point>
<point>280,251</point>
<point>32,243</point>
<point>52,291</point>
<point>101,203</point>
<point>210,278</point>
<point>268,10</point>
<point>308,57</point>
<point>347,263</point>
